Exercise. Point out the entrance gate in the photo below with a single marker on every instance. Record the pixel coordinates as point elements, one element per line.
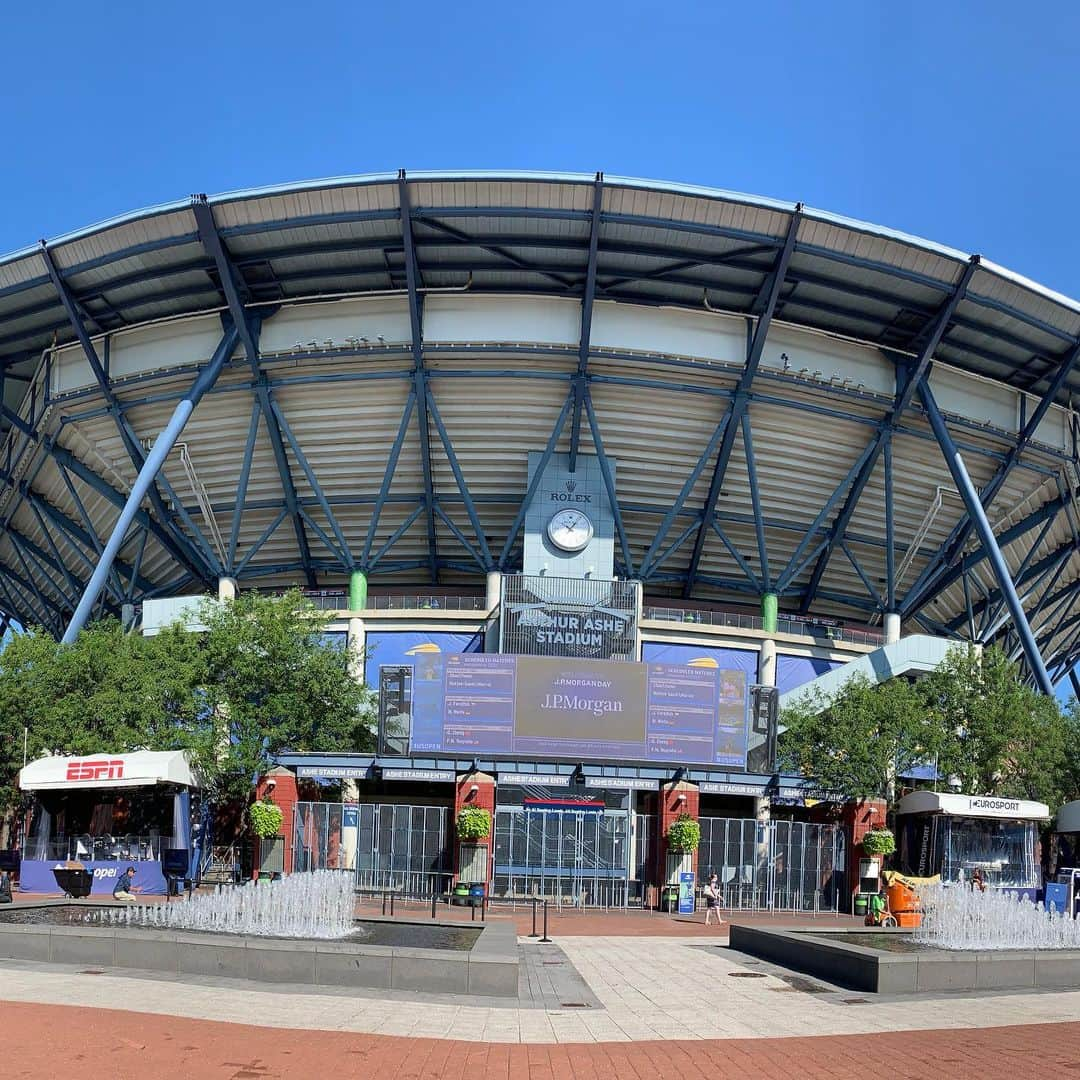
<point>776,865</point>
<point>388,845</point>
<point>570,856</point>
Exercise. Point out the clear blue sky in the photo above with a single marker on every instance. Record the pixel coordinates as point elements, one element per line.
<point>950,120</point>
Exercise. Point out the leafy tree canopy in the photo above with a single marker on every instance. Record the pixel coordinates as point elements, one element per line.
<point>972,719</point>
<point>261,679</point>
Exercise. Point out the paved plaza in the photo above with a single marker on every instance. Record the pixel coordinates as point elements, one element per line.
<point>674,1002</point>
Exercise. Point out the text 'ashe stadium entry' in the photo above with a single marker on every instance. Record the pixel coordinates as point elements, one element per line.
<point>546,707</point>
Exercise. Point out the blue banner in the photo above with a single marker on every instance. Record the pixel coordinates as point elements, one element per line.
<point>660,652</point>
<point>36,876</point>
<point>686,892</point>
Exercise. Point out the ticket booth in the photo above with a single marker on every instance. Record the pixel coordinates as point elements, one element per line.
<point>955,835</point>
<point>106,812</point>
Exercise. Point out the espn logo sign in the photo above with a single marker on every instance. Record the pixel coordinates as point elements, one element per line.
<point>96,770</point>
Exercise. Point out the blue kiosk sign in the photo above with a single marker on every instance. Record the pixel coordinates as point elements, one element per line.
<point>686,892</point>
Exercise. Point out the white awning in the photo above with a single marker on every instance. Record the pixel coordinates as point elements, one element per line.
<point>973,806</point>
<point>1068,817</point>
<point>138,769</point>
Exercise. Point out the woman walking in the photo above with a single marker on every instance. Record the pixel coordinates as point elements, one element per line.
<point>712,900</point>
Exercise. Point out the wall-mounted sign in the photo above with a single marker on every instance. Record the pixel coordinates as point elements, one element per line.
<point>334,772</point>
<point>435,776</point>
<point>589,619</point>
<point>709,787</point>
<point>534,779</point>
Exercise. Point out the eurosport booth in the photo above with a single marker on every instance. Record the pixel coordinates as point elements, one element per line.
<point>504,427</point>
<point>103,813</point>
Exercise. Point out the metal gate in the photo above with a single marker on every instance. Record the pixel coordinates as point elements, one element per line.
<point>388,845</point>
<point>775,865</point>
<point>573,857</point>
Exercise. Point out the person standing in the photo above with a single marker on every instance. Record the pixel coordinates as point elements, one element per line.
<point>712,900</point>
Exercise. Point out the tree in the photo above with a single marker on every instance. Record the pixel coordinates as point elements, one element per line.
<point>1002,737</point>
<point>273,682</point>
<point>261,679</point>
<point>858,741</point>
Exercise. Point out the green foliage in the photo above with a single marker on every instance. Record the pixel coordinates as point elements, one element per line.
<point>972,718</point>
<point>856,743</point>
<point>473,823</point>
<point>684,835</point>
<point>258,681</point>
<point>265,819</point>
<point>879,842</point>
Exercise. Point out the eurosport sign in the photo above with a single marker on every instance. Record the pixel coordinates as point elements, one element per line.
<point>547,707</point>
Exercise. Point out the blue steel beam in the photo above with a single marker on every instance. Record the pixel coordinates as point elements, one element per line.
<point>419,373</point>
<point>388,477</point>
<point>986,534</point>
<point>483,556</point>
<point>755,502</point>
<point>957,538</point>
<point>241,489</point>
<point>230,286</point>
<point>764,308</point>
<point>523,509</point>
<point>890,532</point>
<point>160,450</point>
<point>196,555</point>
<point>88,524</point>
<point>908,381</point>
<point>585,334</point>
<point>609,484</point>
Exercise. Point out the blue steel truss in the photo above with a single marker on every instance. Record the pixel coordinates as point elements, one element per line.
<point>588,252</point>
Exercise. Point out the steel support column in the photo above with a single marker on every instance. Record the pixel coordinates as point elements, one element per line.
<point>162,445</point>
<point>585,336</point>
<point>766,305</point>
<point>986,534</point>
<point>419,374</point>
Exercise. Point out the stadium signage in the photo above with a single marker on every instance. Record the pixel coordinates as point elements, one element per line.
<point>553,631</point>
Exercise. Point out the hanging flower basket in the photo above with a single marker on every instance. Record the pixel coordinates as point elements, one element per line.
<point>684,835</point>
<point>879,842</point>
<point>265,819</point>
<point>473,823</point>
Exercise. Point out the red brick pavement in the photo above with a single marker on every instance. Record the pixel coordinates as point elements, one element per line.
<point>46,1041</point>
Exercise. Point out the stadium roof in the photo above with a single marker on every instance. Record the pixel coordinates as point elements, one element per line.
<point>657,243</point>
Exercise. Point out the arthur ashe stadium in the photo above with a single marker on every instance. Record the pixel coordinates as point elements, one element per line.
<point>593,469</point>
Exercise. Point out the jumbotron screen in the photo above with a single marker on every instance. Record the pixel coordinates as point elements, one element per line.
<point>481,704</point>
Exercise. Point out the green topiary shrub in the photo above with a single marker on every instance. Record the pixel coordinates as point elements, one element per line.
<point>879,842</point>
<point>473,823</point>
<point>684,835</point>
<point>265,819</point>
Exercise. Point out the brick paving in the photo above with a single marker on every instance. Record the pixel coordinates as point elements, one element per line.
<point>39,1041</point>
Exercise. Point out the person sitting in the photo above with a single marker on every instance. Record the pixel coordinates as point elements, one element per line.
<point>125,889</point>
<point>876,909</point>
<point>978,882</point>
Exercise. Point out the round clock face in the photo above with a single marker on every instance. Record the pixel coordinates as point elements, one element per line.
<point>570,530</point>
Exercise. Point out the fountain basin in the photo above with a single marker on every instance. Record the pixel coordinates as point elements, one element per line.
<point>838,957</point>
<point>489,968</point>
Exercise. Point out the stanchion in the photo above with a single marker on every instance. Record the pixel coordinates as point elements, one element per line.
<point>434,901</point>
<point>384,903</point>
<point>534,933</point>
<point>483,908</point>
<point>545,940</point>
<point>392,905</point>
<point>472,910</point>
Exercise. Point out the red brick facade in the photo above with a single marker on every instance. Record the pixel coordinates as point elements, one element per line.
<point>484,798</point>
<point>283,794</point>
<point>674,799</point>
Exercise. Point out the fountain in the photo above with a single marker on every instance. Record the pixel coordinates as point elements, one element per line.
<point>300,929</point>
<point>967,919</point>
<point>319,904</point>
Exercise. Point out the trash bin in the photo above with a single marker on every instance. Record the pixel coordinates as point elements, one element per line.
<point>860,905</point>
<point>669,898</point>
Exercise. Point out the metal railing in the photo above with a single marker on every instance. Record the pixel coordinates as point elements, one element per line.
<point>338,600</point>
<point>408,884</point>
<point>741,621</point>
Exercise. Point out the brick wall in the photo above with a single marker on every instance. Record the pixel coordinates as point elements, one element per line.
<point>484,798</point>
